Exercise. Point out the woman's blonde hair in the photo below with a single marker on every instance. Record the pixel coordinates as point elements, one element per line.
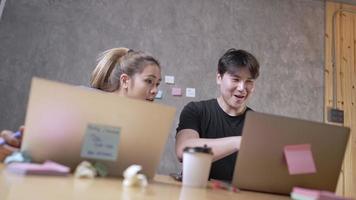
<point>115,62</point>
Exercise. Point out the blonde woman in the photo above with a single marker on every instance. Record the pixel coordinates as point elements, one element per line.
<point>121,71</point>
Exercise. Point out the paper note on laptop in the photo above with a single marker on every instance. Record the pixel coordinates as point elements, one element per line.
<point>299,159</point>
<point>100,142</point>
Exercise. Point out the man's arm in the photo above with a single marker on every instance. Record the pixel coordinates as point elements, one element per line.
<point>221,147</point>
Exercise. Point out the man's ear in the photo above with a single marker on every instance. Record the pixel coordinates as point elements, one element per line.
<point>218,78</point>
<point>124,81</point>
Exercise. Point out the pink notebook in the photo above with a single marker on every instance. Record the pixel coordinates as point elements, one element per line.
<point>309,194</point>
<point>47,168</point>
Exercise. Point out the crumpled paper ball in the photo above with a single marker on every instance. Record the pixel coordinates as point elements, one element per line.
<point>133,178</point>
<point>85,170</point>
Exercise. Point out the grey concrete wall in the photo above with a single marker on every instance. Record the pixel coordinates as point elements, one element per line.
<point>353,2</point>
<point>59,40</point>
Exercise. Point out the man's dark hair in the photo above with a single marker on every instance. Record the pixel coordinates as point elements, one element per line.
<point>234,59</point>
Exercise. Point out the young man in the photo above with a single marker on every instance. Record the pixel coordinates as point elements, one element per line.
<point>218,122</point>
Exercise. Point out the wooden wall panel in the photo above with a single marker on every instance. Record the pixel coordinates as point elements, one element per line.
<point>345,78</point>
<point>331,7</point>
<point>346,62</point>
<point>353,111</point>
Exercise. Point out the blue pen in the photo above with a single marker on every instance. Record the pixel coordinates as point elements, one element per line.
<point>17,134</point>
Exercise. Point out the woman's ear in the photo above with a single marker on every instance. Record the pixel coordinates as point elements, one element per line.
<point>124,81</point>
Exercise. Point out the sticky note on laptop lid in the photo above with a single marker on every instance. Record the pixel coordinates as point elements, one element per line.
<point>100,142</point>
<point>299,159</point>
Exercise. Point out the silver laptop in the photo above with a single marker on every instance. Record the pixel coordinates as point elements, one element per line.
<point>261,165</point>
<point>69,124</point>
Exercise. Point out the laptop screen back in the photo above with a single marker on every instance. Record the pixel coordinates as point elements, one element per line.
<point>69,124</point>
<point>261,164</point>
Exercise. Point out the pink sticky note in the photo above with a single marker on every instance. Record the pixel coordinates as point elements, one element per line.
<point>47,168</point>
<point>176,91</point>
<point>299,159</point>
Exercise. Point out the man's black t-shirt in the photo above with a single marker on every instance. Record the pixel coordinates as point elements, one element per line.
<point>210,121</point>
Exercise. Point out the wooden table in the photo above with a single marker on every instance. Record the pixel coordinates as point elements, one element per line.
<point>18,187</point>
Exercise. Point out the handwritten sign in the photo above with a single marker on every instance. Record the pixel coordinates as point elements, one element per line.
<point>100,142</point>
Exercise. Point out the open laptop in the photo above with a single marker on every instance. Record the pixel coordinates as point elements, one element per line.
<point>261,164</point>
<point>68,124</point>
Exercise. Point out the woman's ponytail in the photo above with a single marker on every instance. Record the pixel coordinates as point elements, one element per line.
<point>107,62</point>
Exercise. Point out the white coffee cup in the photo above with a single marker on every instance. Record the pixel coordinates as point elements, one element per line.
<point>196,166</point>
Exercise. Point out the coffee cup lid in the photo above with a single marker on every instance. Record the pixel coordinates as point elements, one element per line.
<point>203,149</point>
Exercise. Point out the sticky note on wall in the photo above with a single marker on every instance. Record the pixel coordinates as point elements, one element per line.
<point>159,94</point>
<point>299,159</point>
<point>176,91</point>
<point>190,92</point>
<point>169,79</point>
